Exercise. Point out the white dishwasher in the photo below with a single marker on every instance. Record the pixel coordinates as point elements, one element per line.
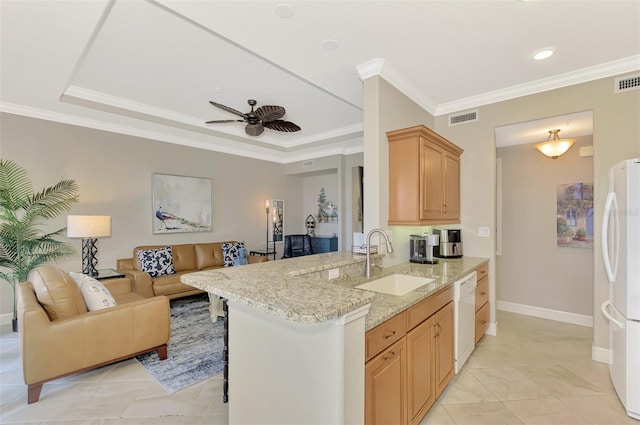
<point>464,307</point>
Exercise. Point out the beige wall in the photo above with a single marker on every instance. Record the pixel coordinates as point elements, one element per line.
<point>342,166</point>
<point>114,173</point>
<point>616,136</point>
<point>385,109</point>
<point>531,265</point>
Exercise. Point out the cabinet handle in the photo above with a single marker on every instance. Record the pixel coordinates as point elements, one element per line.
<point>389,335</point>
<point>391,354</point>
<point>438,330</point>
<point>483,293</point>
<point>483,322</point>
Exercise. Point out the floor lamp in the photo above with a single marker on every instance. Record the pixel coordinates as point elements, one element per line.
<point>89,227</point>
<point>266,208</point>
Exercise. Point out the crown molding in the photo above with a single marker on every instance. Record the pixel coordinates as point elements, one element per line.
<point>370,68</point>
<point>131,131</point>
<point>584,75</point>
<point>132,109</point>
<point>222,146</point>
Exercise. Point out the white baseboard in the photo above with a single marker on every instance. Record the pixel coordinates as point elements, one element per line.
<point>493,329</point>
<point>602,355</point>
<point>545,313</point>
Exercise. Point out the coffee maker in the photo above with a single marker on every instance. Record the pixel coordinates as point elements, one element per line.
<point>450,245</point>
<point>421,248</point>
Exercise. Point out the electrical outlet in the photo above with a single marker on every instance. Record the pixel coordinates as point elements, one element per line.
<point>334,273</point>
<point>483,232</point>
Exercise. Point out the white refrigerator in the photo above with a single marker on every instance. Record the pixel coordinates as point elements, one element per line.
<point>621,256</point>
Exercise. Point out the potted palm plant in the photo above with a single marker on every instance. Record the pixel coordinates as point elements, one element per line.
<point>23,245</point>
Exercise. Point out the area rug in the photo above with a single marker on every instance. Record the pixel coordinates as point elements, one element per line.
<point>195,349</point>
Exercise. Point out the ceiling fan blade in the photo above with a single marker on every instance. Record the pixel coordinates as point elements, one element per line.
<point>270,112</point>
<point>222,121</point>
<point>228,109</point>
<point>254,129</point>
<point>281,125</point>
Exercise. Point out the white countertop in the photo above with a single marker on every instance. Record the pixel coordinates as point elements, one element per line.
<point>298,288</point>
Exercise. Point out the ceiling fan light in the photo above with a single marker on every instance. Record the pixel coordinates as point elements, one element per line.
<point>554,147</point>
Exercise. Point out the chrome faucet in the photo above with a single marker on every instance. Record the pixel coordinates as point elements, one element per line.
<point>367,266</point>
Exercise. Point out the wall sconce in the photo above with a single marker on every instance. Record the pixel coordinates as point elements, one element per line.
<point>89,227</point>
<point>554,146</point>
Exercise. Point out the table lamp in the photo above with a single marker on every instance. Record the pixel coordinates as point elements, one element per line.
<point>89,227</point>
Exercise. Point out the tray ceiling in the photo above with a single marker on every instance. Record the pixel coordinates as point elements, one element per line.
<point>149,68</point>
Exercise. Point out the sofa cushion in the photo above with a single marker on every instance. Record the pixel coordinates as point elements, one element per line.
<point>231,252</point>
<point>208,255</point>
<point>169,285</point>
<point>156,262</point>
<point>96,295</point>
<point>184,257</point>
<point>57,292</point>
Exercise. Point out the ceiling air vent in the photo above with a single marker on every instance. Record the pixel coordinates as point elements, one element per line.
<point>308,163</point>
<point>463,117</point>
<point>626,83</point>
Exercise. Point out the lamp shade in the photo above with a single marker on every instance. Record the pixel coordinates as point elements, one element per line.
<point>553,147</point>
<point>88,226</point>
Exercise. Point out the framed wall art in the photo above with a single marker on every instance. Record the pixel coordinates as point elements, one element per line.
<point>181,204</point>
<point>277,220</point>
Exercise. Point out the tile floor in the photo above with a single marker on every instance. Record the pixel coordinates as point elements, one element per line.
<point>535,371</point>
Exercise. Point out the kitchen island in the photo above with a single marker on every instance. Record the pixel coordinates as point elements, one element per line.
<point>296,338</point>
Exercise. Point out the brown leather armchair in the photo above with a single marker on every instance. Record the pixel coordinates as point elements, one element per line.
<point>60,337</point>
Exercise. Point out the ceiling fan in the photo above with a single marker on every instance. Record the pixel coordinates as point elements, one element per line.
<point>265,116</point>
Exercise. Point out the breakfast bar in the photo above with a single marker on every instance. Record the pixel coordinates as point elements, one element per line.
<point>297,338</point>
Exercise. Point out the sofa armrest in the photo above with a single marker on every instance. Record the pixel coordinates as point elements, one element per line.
<point>55,348</point>
<point>123,264</point>
<point>252,259</point>
<point>118,286</point>
<point>140,282</point>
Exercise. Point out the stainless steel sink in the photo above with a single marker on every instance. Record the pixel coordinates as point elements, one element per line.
<point>395,284</point>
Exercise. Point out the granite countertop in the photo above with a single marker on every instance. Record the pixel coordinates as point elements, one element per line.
<point>298,288</point>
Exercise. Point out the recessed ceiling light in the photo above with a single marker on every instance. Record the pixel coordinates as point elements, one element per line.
<point>543,53</point>
<point>330,44</point>
<point>283,11</point>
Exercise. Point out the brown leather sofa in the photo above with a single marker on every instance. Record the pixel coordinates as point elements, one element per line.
<point>187,258</point>
<point>60,337</point>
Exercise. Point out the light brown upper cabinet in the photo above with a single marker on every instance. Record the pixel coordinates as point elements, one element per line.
<point>424,178</point>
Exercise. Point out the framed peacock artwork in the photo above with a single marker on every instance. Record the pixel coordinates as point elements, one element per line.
<point>181,204</point>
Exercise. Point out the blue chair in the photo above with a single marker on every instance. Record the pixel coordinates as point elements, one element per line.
<point>297,246</point>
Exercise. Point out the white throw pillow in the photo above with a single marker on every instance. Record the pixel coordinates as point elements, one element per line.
<point>96,295</point>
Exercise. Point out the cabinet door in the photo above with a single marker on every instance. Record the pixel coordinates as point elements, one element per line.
<point>385,386</point>
<point>319,245</point>
<point>451,186</point>
<point>443,333</point>
<point>421,388</point>
<point>482,321</point>
<point>431,181</point>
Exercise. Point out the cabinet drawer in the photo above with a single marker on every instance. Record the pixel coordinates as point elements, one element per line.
<point>425,308</point>
<point>385,334</point>
<point>482,321</point>
<point>483,271</point>
<point>482,293</point>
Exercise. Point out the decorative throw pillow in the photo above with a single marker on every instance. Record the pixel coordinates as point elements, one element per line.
<point>231,252</point>
<point>156,262</point>
<point>95,294</point>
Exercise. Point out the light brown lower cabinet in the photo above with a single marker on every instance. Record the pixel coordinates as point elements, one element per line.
<point>421,394</point>
<point>404,380</point>
<point>385,386</point>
